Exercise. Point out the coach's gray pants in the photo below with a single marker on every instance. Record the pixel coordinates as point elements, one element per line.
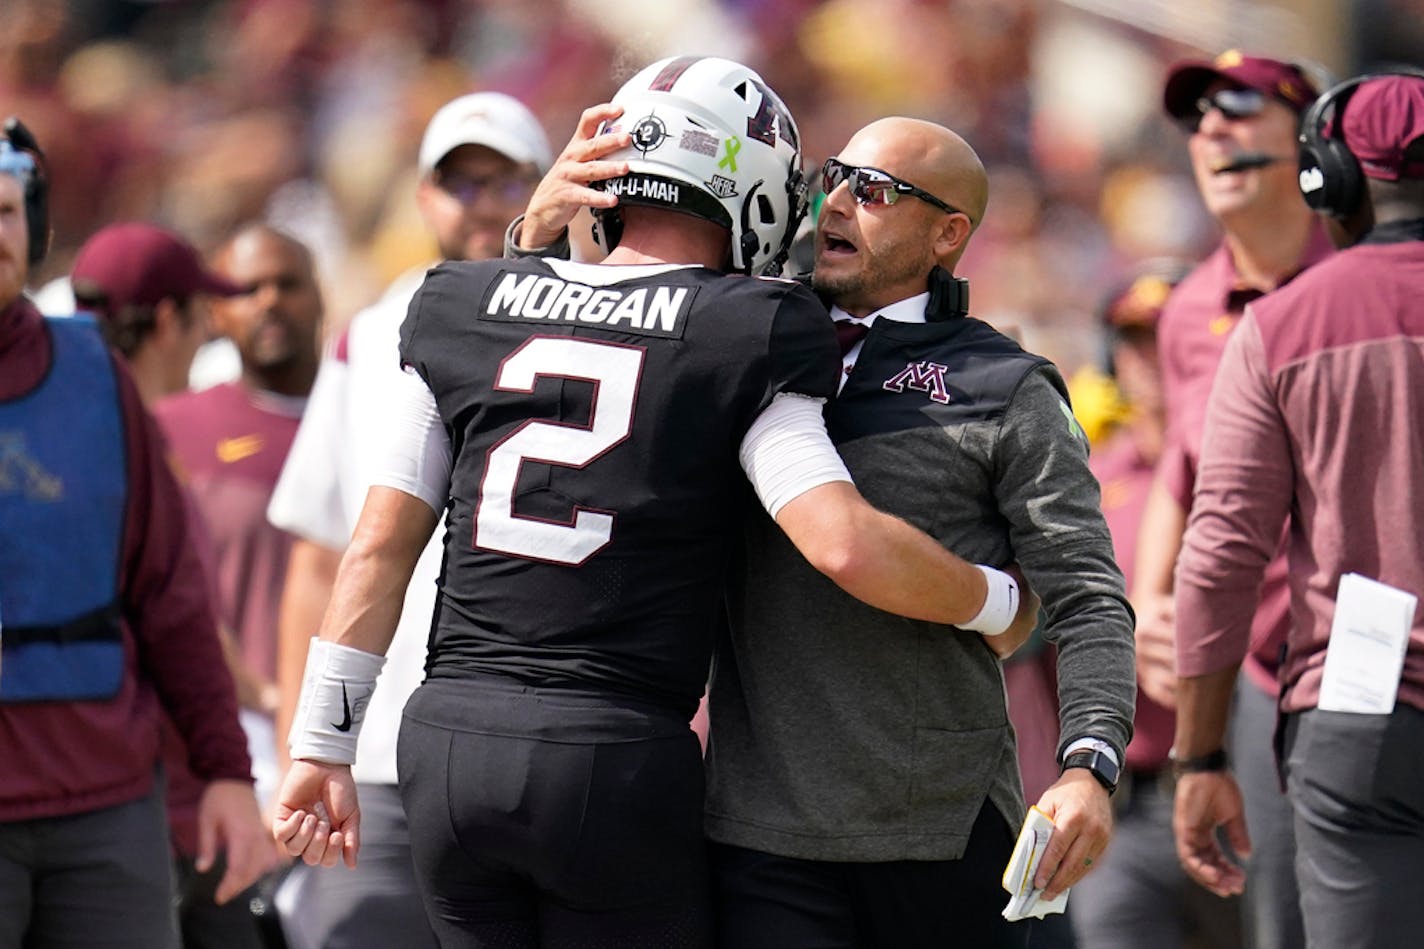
<point>1356,783</point>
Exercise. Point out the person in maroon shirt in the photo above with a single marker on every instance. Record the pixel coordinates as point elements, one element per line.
<point>1315,417</point>
<point>1140,886</point>
<point>1241,113</point>
<point>230,442</point>
<point>83,844</point>
<point>150,291</point>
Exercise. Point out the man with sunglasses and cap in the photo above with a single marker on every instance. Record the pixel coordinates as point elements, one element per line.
<point>862,783</point>
<point>1241,115</point>
<point>107,624</point>
<point>1314,418</point>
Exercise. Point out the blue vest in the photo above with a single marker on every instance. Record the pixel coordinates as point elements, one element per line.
<point>63,491</point>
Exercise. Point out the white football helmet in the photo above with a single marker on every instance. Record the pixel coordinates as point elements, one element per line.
<point>711,139</point>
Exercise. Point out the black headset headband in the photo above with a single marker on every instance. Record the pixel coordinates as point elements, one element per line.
<point>1330,177</point>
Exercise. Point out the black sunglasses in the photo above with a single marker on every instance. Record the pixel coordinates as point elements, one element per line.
<point>1233,104</point>
<point>873,186</point>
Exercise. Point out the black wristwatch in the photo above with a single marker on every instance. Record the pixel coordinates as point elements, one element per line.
<point>1100,763</point>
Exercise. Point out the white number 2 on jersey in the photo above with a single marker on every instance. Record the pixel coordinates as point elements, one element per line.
<point>614,371</point>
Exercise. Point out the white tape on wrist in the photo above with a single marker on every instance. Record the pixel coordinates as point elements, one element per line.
<point>1000,606</point>
<point>336,688</point>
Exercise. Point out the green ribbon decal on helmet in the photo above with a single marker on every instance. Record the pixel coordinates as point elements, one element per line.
<point>729,160</point>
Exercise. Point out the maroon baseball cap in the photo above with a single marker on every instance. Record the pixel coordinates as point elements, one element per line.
<point>139,264</point>
<point>1137,302</point>
<point>1284,82</point>
<point>1381,119</point>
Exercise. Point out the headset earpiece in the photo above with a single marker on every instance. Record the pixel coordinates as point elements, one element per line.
<point>1331,181</point>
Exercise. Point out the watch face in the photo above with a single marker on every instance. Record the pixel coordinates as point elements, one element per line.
<point>1102,767</point>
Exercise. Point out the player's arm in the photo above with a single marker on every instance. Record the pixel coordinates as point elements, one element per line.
<point>308,503</point>
<point>311,577</point>
<point>873,556</point>
<point>316,815</point>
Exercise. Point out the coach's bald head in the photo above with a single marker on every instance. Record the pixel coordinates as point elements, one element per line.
<point>871,254</point>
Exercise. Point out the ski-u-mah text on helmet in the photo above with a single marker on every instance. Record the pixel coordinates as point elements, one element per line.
<point>710,139</point>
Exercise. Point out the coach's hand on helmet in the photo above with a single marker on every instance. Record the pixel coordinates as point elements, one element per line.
<point>566,187</point>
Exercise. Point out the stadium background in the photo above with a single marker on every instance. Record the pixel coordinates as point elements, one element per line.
<point>200,114</point>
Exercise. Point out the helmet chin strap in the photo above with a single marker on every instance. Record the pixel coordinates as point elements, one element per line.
<point>749,240</point>
<point>607,228</point>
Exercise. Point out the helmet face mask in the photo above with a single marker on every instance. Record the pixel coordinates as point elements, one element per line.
<point>712,140</point>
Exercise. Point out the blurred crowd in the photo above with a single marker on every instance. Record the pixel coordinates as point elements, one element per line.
<point>203,116</point>
<point>200,114</point>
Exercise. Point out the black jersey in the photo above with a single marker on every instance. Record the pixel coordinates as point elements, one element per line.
<point>596,488</point>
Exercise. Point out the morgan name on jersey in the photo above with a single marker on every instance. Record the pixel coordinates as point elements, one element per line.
<point>515,297</point>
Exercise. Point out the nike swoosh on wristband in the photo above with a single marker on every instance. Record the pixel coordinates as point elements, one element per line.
<point>345,724</point>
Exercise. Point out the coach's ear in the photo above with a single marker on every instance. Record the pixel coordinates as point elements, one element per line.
<point>950,234</point>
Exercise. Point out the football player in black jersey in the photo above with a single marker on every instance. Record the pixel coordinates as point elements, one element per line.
<point>581,427</point>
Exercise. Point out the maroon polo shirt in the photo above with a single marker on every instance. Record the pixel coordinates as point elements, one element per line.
<point>59,758</point>
<point>229,444</point>
<point>1192,334</point>
<point>1317,414</point>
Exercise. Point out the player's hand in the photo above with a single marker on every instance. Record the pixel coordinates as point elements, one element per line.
<point>316,816</point>
<point>1082,822</point>
<point>1206,801</point>
<point>565,188</point>
<point>1156,636</point>
<point>1025,621</point>
<point>228,820</point>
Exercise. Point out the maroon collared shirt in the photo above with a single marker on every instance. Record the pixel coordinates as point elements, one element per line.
<point>1316,414</point>
<point>1192,334</point>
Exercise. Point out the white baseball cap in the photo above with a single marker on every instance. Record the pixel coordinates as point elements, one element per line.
<point>491,119</point>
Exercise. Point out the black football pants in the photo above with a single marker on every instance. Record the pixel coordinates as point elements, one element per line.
<point>545,820</point>
<point>764,901</point>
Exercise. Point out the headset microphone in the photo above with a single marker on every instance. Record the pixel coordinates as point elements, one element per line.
<point>1248,160</point>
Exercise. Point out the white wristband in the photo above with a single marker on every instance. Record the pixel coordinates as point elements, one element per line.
<point>1000,606</point>
<point>336,688</point>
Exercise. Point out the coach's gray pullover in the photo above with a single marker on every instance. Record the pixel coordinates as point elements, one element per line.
<point>844,733</point>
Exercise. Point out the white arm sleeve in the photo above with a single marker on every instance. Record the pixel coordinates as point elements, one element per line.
<point>307,499</point>
<point>418,456</point>
<point>787,452</point>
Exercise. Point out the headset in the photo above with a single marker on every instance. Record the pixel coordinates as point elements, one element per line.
<point>20,156</point>
<point>1331,180</point>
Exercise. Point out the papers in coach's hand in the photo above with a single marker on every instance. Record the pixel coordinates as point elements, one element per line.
<point>1024,899</point>
<point>1368,638</point>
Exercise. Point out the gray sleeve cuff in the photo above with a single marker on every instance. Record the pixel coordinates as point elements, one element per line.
<point>512,251</point>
